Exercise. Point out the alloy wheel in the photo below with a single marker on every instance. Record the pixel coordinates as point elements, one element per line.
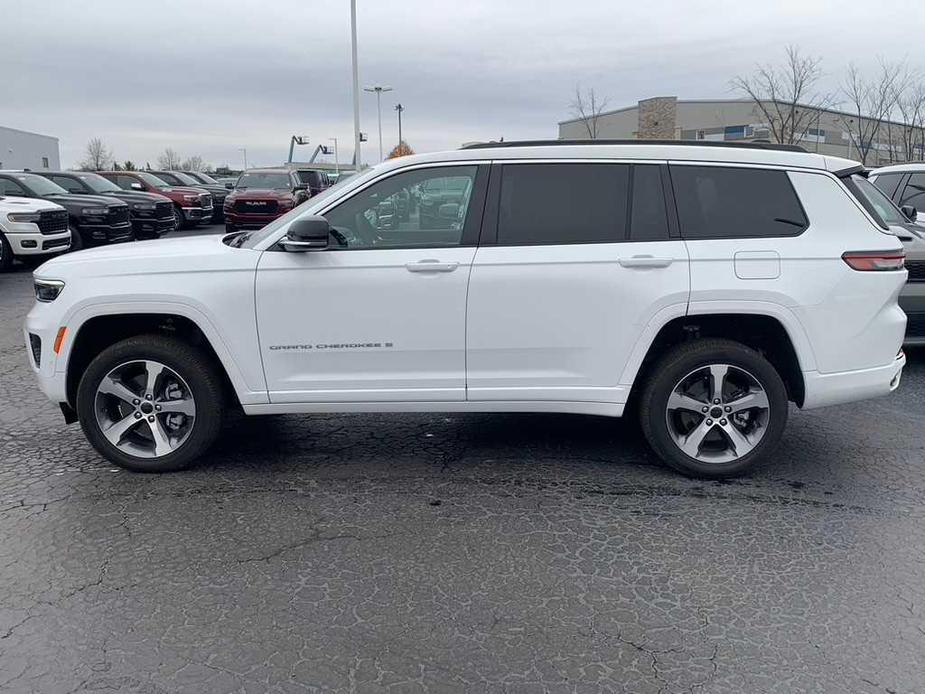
<point>717,413</point>
<point>145,409</point>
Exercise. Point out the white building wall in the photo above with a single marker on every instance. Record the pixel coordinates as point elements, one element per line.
<point>24,150</point>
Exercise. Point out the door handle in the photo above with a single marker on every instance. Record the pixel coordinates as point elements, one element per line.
<point>430,266</point>
<point>645,261</point>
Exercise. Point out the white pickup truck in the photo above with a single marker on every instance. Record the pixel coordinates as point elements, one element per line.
<point>31,230</point>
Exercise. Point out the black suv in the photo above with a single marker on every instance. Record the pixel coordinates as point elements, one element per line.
<point>94,220</point>
<point>151,214</point>
<point>218,191</point>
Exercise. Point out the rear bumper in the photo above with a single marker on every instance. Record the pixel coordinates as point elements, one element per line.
<point>837,388</point>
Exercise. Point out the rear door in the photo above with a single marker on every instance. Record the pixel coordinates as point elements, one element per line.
<point>576,259</point>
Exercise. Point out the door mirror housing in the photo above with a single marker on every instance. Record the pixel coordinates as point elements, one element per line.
<point>310,233</point>
<point>909,212</point>
<point>229,185</point>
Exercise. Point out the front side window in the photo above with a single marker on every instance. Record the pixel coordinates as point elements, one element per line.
<point>68,183</point>
<point>9,187</point>
<point>914,193</point>
<point>552,204</point>
<point>887,182</point>
<point>421,208</point>
<point>716,202</point>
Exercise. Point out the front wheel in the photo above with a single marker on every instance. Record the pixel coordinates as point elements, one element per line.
<point>179,218</point>
<point>713,408</point>
<point>151,403</point>
<point>76,241</point>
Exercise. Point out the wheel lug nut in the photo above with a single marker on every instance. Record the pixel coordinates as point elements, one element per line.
<point>709,422</point>
<point>148,397</point>
<point>136,401</point>
<point>716,401</point>
<point>151,418</point>
<point>138,415</point>
<point>728,409</point>
<point>157,407</point>
<point>722,422</point>
<point>705,409</point>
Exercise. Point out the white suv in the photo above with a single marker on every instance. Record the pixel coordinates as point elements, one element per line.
<point>31,230</point>
<point>702,287</point>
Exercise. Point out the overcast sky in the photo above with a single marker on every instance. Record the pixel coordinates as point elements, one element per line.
<point>209,77</point>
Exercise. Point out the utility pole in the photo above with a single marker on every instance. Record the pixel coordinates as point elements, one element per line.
<point>399,108</point>
<point>378,91</point>
<point>336,164</point>
<point>356,85</point>
<point>244,149</point>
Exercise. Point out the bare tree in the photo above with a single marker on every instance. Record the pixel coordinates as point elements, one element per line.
<point>587,108</point>
<point>193,163</point>
<point>169,159</point>
<point>910,105</point>
<point>785,95</point>
<point>97,157</point>
<point>870,103</point>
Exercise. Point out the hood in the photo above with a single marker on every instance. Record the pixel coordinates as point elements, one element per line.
<point>11,203</point>
<point>134,196</point>
<point>162,256</point>
<point>214,189</point>
<point>260,194</point>
<point>184,190</point>
<point>73,200</point>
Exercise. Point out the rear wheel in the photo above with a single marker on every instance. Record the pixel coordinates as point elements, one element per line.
<point>713,408</point>
<point>151,403</point>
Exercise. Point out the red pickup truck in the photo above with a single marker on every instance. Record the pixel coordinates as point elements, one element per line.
<point>190,205</point>
<point>262,195</point>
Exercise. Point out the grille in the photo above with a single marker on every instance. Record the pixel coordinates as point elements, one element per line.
<point>118,215</point>
<point>915,327</point>
<point>56,243</point>
<point>53,221</point>
<point>163,210</point>
<point>916,270</point>
<point>35,344</point>
<point>256,206</point>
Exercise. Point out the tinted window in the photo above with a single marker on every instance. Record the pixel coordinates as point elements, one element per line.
<point>649,219</point>
<point>8,187</point>
<point>725,202</point>
<point>887,182</point>
<point>125,182</point>
<point>914,193</point>
<point>563,203</point>
<point>873,199</point>
<point>426,207</point>
<point>69,184</point>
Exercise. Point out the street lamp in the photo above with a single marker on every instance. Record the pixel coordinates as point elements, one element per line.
<point>336,165</point>
<point>244,149</point>
<point>399,108</point>
<point>356,85</point>
<point>378,90</point>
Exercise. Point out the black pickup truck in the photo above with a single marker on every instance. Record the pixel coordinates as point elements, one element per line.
<point>94,220</point>
<point>151,214</point>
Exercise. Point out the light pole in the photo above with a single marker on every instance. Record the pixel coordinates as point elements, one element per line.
<point>378,90</point>
<point>356,85</point>
<point>399,108</point>
<point>336,165</point>
<point>244,149</point>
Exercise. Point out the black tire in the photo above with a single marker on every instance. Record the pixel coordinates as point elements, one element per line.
<point>77,243</point>
<point>193,365</point>
<point>687,358</point>
<point>230,228</point>
<point>6,254</point>
<point>179,219</point>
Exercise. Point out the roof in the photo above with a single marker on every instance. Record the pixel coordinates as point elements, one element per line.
<point>28,132</point>
<point>663,151</point>
<point>900,168</point>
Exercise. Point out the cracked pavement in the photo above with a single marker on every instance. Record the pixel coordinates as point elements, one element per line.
<point>498,553</point>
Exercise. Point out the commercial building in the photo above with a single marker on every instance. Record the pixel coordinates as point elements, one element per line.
<point>20,149</point>
<point>670,118</point>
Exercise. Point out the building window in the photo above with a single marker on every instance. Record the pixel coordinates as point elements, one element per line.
<point>44,162</point>
<point>735,132</point>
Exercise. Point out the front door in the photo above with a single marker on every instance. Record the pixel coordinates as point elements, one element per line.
<point>381,314</point>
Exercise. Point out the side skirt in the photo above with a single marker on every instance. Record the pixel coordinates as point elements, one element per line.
<point>604,409</point>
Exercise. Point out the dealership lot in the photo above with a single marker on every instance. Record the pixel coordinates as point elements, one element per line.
<point>459,552</point>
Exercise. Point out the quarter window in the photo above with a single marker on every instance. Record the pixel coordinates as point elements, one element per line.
<point>551,204</point>
<point>887,182</point>
<point>421,208</point>
<point>727,202</point>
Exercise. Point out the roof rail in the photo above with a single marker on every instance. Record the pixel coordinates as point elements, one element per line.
<point>685,143</point>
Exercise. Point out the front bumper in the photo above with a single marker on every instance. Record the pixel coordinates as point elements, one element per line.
<point>149,227</point>
<point>838,388</point>
<point>198,214</point>
<point>36,243</point>
<point>251,221</point>
<point>101,234</point>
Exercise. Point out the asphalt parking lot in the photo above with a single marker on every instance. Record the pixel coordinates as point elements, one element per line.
<point>501,553</point>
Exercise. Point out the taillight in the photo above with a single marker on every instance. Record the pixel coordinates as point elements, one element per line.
<point>875,261</point>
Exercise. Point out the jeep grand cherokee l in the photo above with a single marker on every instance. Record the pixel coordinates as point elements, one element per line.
<point>262,195</point>
<point>699,288</point>
<point>216,190</point>
<point>151,214</point>
<point>94,220</point>
<point>190,205</point>
<point>31,231</point>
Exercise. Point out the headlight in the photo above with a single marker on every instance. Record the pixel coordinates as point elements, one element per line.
<point>23,216</point>
<point>47,290</point>
<point>143,206</point>
<point>190,198</point>
<point>95,211</point>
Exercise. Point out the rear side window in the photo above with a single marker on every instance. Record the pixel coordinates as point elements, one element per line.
<point>887,182</point>
<point>914,193</point>
<point>716,202</point>
<point>550,204</point>
<point>69,184</point>
<point>649,218</point>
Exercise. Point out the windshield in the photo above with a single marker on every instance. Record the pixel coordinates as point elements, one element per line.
<point>152,180</point>
<point>98,184</point>
<point>185,179</point>
<point>39,185</point>
<point>252,238</point>
<point>203,178</point>
<point>269,181</point>
<point>877,202</point>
